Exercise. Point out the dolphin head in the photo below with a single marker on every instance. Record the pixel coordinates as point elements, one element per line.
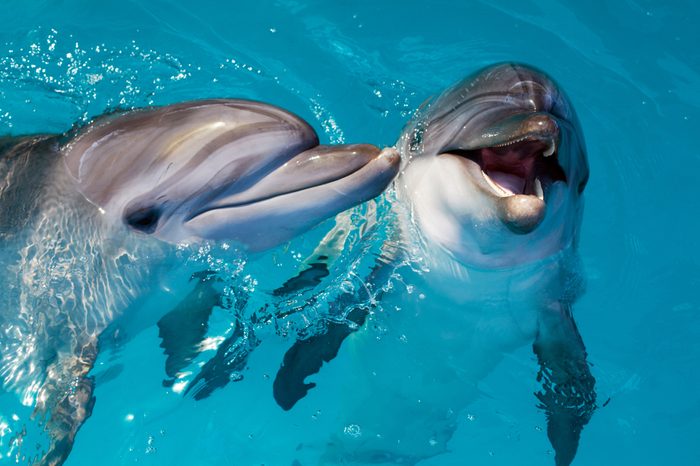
<point>220,169</point>
<point>495,168</point>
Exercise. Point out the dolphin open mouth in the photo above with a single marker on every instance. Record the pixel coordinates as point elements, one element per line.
<point>515,161</point>
<point>524,166</point>
<point>517,155</point>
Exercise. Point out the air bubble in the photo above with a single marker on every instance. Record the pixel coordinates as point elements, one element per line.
<point>352,430</point>
<point>150,448</point>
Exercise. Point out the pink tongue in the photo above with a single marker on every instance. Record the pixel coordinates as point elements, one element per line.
<point>512,183</point>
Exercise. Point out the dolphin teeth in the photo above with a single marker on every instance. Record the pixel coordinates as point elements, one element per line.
<point>498,189</point>
<point>549,151</point>
<point>538,189</point>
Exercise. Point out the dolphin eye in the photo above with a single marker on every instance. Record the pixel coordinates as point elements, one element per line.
<point>143,219</point>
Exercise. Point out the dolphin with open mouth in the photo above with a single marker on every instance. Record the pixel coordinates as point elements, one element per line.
<point>88,218</point>
<point>487,211</point>
<point>513,160</point>
<point>494,175</point>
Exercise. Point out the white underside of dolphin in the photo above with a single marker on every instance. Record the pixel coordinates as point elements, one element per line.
<point>486,211</point>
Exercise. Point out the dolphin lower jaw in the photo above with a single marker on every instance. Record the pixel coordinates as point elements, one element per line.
<point>516,175</point>
<point>458,211</point>
<point>494,244</point>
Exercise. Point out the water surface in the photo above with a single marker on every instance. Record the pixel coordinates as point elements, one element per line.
<point>356,71</point>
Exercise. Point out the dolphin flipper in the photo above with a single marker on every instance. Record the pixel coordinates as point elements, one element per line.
<point>306,356</point>
<point>232,354</point>
<point>67,410</point>
<point>183,329</point>
<point>230,359</point>
<point>568,394</point>
<point>317,266</point>
<point>306,279</point>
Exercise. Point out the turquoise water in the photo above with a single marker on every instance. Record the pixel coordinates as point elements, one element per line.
<point>357,71</point>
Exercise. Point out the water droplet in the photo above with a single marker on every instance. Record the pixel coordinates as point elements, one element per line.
<point>347,287</point>
<point>149,445</point>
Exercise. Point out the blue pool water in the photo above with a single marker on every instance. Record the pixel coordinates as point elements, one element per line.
<point>357,71</point>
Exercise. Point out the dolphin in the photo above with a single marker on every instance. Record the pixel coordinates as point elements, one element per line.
<point>486,212</point>
<point>87,219</point>
<point>494,174</point>
<point>508,150</point>
<point>221,169</point>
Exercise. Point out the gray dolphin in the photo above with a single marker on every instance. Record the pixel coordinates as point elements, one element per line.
<point>494,173</point>
<point>488,206</point>
<point>86,217</point>
<point>221,169</point>
<point>511,157</point>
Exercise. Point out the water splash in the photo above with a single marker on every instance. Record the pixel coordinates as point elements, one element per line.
<point>67,80</point>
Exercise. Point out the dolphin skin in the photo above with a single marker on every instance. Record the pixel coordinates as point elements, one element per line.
<point>488,207</point>
<point>88,218</point>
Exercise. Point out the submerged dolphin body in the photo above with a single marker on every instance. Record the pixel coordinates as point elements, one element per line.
<point>488,209</point>
<point>495,173</point>
<point>86,218</point>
